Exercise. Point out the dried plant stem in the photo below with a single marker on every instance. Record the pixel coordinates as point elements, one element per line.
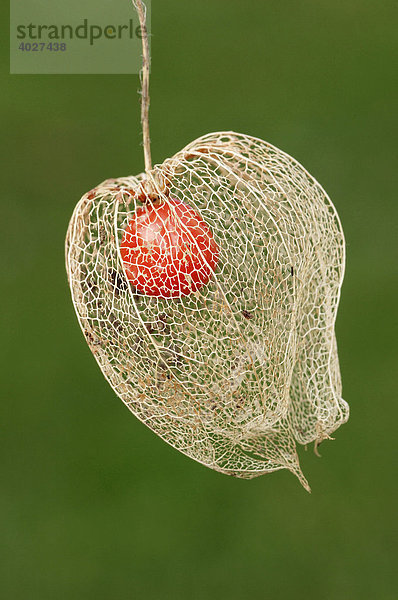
<point>141,10</point>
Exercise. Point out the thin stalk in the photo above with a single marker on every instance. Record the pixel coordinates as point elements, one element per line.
<point>145,100</point>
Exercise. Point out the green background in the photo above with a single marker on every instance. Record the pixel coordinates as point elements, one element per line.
<point>93,505</point>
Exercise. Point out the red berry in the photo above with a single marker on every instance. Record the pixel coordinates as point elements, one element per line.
<point>168,250</point>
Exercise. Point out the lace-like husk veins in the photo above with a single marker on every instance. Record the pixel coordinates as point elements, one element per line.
<point>236,373</point>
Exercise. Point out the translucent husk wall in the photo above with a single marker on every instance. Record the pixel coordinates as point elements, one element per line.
<point>236,373</point>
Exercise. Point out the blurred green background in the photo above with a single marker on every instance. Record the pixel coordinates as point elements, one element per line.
<point>93,505</point>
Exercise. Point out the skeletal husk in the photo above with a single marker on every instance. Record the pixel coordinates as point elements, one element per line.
<point>235,374</point>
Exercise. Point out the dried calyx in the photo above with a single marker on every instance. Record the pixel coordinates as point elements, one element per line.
<point>207,289</point>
